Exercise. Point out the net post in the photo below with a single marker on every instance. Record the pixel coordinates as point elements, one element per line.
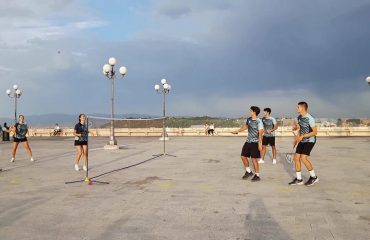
<point>87,149</point>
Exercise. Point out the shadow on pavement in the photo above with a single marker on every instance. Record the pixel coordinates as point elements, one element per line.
<point>261,225</point>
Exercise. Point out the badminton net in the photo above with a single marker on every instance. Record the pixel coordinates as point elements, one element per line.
<point>127,126</point>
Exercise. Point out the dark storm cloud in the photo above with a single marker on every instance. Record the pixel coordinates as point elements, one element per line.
<point>219,56</point>
<point>174,12</point>
<point>265,45</point>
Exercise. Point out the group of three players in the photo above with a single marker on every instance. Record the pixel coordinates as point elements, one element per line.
<point>261,134</point>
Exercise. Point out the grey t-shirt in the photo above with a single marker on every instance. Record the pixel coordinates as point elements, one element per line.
<point>254,125</point>
<point>306,124</point>
<point>268,124</point>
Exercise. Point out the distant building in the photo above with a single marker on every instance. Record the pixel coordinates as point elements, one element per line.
<point>197,126</point>
<point>327,124</point>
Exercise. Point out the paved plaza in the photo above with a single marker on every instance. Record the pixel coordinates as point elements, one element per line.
<point>199,194</point>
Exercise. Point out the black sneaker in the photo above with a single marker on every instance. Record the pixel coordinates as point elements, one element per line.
<point>311,181</point>
<point>256,178</point>
<point>247,175</point>
<point>296,182</point>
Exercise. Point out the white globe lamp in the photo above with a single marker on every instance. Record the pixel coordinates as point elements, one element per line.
<point>112,61</point>
<point>122,70</point>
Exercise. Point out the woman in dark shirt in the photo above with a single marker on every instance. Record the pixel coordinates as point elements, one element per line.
<point>81,138</point>
<point>20,131</point>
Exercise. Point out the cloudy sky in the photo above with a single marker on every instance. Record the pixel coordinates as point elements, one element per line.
<point>220,56</point>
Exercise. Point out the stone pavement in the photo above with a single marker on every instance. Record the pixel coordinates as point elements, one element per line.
<point>197,195</point>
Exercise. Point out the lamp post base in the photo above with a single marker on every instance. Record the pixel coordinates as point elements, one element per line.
<point>112,144</point>
<point>111,147</point>
<point>166,138</point>
<point>112,141</point>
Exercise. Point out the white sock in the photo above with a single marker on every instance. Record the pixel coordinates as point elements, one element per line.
<point>258,174</point>
<point>312,173</point>
<point>248,169</point>
<point>299,175</point>
<point>274,159</point>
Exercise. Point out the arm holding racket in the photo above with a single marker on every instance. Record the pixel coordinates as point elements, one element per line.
<point>296,134</point>
<point>77,134</point>
<point>260,136</point>
<point>276,126</point>
<point>241,129</point>
<point>10,130</point>
<point>308,135</point>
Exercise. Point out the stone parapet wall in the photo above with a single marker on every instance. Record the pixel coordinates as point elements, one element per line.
<point>153,132</point>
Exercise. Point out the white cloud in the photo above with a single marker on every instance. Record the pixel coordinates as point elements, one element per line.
<point>43,20</point>
<point>5,69</point>
<point>89,24</point>
<point>79,54</point>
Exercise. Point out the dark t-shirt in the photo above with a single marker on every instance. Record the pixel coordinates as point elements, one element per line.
<point>81,129</point>
<point>21,130</point>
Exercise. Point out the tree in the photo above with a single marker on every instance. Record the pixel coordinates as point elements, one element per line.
<point>339,122</point>
<point>354,122</point>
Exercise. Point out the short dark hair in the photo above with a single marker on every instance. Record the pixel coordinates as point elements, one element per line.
<point>267,110</point>
<point>255,109</point>
<point>304,104</point>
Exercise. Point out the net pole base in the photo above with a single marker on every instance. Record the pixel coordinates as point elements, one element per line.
<point>87,180</point>
<point>111,147</point>
<point>163,155</point>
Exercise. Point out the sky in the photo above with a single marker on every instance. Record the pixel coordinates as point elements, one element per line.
<point>220,56</point>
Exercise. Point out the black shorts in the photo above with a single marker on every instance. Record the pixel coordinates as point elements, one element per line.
<point>250,150</point>
<point>304,148</point>
<point>17,140</point>
<point>268,141</point>
<point>80,143</point>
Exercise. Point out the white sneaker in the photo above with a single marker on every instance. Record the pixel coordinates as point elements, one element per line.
<point>12,160</point>
<point>77,168</point>
<point>261,161</point>
<point>32,160</point>
<point>273,161</point>
<point>84,168</point>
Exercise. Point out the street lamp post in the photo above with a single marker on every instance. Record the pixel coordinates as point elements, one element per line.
<point>282,126</point>
<point>108,71</point>
<point>164,88</point>
<point>16,94</point>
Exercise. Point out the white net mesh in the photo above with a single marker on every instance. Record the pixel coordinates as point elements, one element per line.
<point>103,122</point>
